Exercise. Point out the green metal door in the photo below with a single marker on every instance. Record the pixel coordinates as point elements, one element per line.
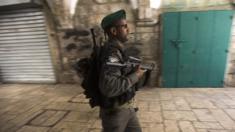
<point>170,50</point>
<point>195,46</point>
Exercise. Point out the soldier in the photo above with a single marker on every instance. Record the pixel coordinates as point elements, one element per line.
<point>117,85</point>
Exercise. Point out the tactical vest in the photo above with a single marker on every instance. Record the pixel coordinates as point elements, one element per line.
<point>112,102</point>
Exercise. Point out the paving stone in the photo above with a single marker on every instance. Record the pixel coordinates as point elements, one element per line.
<point>153,117</point>
<point>179,115</point>
<point>220,130</point>
<point>220,104</point>
<point>43,117</point>
<point>5,118</point>
<point>63,106</point>
<point>80,98</point>
<point>231,113</point>
<point>145,129</point>
<point>20,107</point>
<point>181,103</point>
<point>207,125</point>
<point>145,124</point>
<point>23,119</point>
<point>171,126</point>
<point>156,128</point>
<point>6,127</point>
<point>96,124</point>
<point>33,129</point>
<point>162,110</point>
<point>168,105</point>
<point>181,92</point>
<point>76,116</point>
<point>63,99</point>
<point>7,108</point>
<point>204,115</point>
<point>165,95</point>
<point>69,127</point>
<point>95,113</point>
<point>154,106</point>
<point>209,130</point>
<point>202,130</point>
<point>229,101</point>
<point>223,119</point>
<point>142,105</point>
<point>230,93</point>
<point>232,106</point>
<point>95,130</point>
<point>186,126</point>
<point>146,96</point>
<point>82,107</point>
<point>53,119</point>
<point>152,127</point>
<point>197,103</point>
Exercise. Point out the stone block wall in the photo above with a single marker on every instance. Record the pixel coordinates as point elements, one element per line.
<point>77,43</point>
<point>61,13</point>
<point>230,71</point>
<point>144,37</point>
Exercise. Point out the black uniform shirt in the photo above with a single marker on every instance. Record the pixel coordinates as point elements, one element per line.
<point>113,81</point>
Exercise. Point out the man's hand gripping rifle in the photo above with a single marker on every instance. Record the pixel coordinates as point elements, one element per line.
<point>134,63</point>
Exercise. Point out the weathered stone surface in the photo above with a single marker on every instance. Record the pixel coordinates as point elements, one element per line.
<point>70,127</point>
<point>150,117</point>
<point>204,115</point>
<point>69,112</point>
<point>231,113</point>
<point>229,102</point>
<point>155,106</point>
<point>186,126</point>
<point>96,124</point>
<point>197,103</point>
<point>33,129</point>
<point>207,125</point>
<point>168,105</point>
<point>48,118</point>
<point>171,126</point>
<point>181,103</point>
<point>179,115</point>
<point>156,128</point>
<point>165,95</point>
<point>223,119</point>
<point>143,105</point>
<point>76,116</point>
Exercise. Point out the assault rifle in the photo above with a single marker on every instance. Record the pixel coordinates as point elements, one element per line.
<point>132,63</point>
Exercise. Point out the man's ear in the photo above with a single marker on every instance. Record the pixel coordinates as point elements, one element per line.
<point>113,30</point>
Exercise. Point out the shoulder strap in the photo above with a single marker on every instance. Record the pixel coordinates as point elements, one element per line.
<point>124,56</point>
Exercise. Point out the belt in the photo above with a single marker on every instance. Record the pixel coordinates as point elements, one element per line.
<point>127,105</point>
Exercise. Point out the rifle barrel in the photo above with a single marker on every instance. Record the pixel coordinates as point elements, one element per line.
<point>142,66</point>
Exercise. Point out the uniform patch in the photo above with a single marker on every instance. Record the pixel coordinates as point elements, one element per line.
<point>113,59</point>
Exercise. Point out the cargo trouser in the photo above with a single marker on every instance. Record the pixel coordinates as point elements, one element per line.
<point>120,120</point>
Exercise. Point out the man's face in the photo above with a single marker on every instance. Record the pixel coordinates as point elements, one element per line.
<point>122,30</point>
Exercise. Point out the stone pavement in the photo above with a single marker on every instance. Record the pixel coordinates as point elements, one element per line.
<point>63,108</point>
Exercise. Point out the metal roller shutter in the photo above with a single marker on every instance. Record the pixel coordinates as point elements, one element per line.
<point>24,51</point>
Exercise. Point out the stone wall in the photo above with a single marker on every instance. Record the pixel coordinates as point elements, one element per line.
<point>144,38</point>
<point>77,43</point>
<point>230,71</point>
<point>60,12</point>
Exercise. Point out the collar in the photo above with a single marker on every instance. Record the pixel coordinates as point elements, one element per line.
<point>116,43</point>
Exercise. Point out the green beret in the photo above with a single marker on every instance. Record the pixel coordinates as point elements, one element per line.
<point>109,19</point>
